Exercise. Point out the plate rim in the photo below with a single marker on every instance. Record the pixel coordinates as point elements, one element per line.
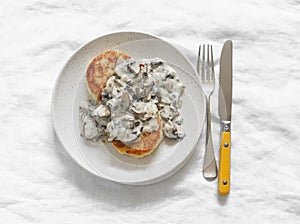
<point>91,169</point>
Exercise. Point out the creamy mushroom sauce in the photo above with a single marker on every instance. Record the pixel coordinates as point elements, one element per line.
<point>131,101</point>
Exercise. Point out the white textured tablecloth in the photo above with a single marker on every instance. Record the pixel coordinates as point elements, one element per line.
<point>41,184</point>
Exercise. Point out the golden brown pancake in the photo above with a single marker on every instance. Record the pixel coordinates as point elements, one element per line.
<point>148,143</point>
<point>100,69</point>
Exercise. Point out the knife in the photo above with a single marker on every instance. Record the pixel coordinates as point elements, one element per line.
<point>225,101</point>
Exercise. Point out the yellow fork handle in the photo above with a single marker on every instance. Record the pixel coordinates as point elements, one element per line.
<point>224,167</point>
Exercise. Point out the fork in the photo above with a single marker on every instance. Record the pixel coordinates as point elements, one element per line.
<point>206,71</point>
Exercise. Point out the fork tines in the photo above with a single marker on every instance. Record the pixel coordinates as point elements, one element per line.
<point>205,64</point>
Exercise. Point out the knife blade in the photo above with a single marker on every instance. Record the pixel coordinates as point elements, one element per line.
<point>225,102</point>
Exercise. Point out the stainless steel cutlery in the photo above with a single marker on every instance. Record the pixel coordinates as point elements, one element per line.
<point>205,68</point>
<point>225,102</point>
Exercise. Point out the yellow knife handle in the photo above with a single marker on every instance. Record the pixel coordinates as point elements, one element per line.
<point>224,167</point>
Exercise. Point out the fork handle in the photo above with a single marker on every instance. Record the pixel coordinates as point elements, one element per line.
<point>209,164</point>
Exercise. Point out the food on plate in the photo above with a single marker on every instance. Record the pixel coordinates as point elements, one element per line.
<point>148,142</point>
<point>100,69</point>
<point>134,103</point>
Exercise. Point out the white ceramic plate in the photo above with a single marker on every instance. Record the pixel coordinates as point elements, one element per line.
<point>102,159</point>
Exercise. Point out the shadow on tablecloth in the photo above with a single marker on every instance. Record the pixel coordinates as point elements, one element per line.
<point>127,196</point>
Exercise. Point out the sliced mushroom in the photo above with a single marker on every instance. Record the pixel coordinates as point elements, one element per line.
<point>125,101</point>
<point>112,105</point>
<point>128,67</point>
<point>122,128</point>
<point>172,130</point>
<point>148,86</point>
<point>127,121</point>
<point>138,107</point>
<point>150,125</point>
<point>144,110</point>
<point>89,130</point>
<point>169,112</point>
<point>178,119</point>
<point>102,125</point>
<point>120,82</point>
<point>106,94</point>
<point>110,82</point>
<point>111,130</point>
<point>131,92</point>
<point>165,96</point>
<point>119,68</point>
<point>120,61</point>
<point>133,67</point>
<point>120,103</point>
<point>101,111</point>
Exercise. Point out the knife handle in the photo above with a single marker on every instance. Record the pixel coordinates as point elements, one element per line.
<point>224,168</point>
